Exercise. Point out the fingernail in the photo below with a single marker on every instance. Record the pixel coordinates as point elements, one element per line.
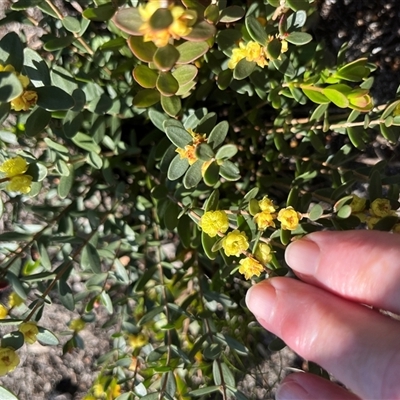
<point>291,391</point>
<point>303,256</point>
<point>260,300</point>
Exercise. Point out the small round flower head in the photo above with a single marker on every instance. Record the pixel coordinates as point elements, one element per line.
<point>289,218</point>
<point>267,204</point>
<point>381,208</point>
<point>357,204</point>
<point>250,267</point>
<point>8,360</point>
<point>14,166</point>
<point>25,101</point>
<point>234,243</point>
<point>263,253</point>
<point>29,330</point>
<point>214,222</point>
<point>264,220</point>
<point>3,311</point>
<point>20,184</point>
<point>137,341</point>
<point>77,324</point>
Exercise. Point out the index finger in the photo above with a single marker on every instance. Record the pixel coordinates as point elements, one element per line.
<point>362,266</point>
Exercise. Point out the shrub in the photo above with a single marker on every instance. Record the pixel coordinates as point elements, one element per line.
<point>165,154</point>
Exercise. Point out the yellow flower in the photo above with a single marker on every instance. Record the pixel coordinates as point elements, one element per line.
<point>29,330</point>
<point>3,311</point>
<point>14,166</point>
<point>381,208</point>
<point>113,390</point>
<point>20,183</point>
<point>357,204</point>
<point>77,324</point>
<point>28,98</point>
<point>179,27</point>
<point>136,341</point>
<point>14,300</point>
<point>372,221</point>
<point>264,220</point>
<point>289,218</point>
<point>189,151</point>
<point>249,267</point>
<point>234,243</point>
<point>252,51</point>
<point>214,222</point>
<point>267,204</point>
<point>25,101</point>
<point>98,391</point>
<point>89,397</point>
<point>8,360</point>
<point>263,253</point>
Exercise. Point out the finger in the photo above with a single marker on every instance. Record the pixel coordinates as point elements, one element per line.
<point>359,346</point>
<point>363,266</point>
<point>302,386</point>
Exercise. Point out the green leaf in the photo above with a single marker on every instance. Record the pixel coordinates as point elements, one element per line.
<point>256,30</point>
<point>58,43</point>
<point>53,98</point>
<point>204,152</point>
<point>231,14</point>
<point>336,96</point>
<point>66,183</point>
<point>211,204</point>
<point>177,134</point>
<point>185,74</point>
<point>211,174</point>
<point>146,98</point>
<point>94,160</point>
<point>229,171</point>
<point>145,76</point>
<point>90,259</point>
<point>296,5</point>
<point>375,186</point>
<point>354,71</point>
<point>285,236</point>
<point>315,94</point>
<point>161,19</point>
<point>316,212</point>
<point>356,136</point>
<point>227,151</point>
<point>36,68</point>
<point>66,295</point>
<point>177,168</point>
<point>200,32</point>
<point>243,69</point>
<point>208,243</point>
<point>390,133</point>
<point>129,20</point>
<point>296,21</point>
<point>203,391</point>
<point>46,337</point>
<point>13,339</point>
<point>71,24</point>
<point>189,51</point>
<point>166,84</point>
<point>120,272</point>
<point>218,134</point>
<point>16,284</point>
<point>166,57</point>
<point>149,316</point>
<point>10,87</point>
<point>6,394</point>
<point>72,123</point>
<point>274,48</point>
<point>298,38</point>
<point>144,51</point>
<point>56,146</point>
<point>37,122</point>
<point>193,175</point>
<point>284,66</point>
<point>86,142</point>
<point>171,105</point>
<point>106,301</point>
<point>11,51</point>
<point>102,13</point>
<point>171,216</point>
<point>344,211</point>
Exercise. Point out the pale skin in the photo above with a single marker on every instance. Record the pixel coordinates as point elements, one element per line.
<point>331,315</point>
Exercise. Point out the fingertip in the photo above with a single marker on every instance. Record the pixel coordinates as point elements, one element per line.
<point>260,299</point>
<point>303,255</point>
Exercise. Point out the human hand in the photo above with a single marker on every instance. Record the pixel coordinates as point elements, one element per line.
<point>323,318</point>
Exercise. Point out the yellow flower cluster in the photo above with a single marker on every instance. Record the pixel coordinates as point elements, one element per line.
<point>105,389</point>
<point>179,27</point>
<point>289,218</point>
<point>14,170</point>
<point>252,52</point>
<point>8,360</point>
<point>3,311</point>
<point>14,300</point>
<point>378,209</point>
<point>189,152</point>
<point>77,324</point>
<point>29,330</point>
<point>28,98</point>
<point>250,267</point>
<point>214,222</point>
